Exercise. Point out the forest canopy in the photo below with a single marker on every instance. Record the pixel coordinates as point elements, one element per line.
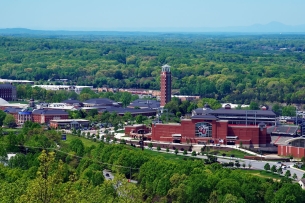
<point>231,68</point>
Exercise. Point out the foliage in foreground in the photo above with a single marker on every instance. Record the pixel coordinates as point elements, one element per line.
<point>60,176</point>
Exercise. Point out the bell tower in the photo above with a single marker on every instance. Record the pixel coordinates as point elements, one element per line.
<point>166,85</point>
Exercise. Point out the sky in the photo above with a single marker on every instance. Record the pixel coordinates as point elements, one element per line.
<point>138,14</point>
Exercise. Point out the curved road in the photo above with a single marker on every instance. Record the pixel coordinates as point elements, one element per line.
<point>255,163</point>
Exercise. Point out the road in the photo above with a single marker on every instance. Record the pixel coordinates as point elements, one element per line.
<point>255,164</point>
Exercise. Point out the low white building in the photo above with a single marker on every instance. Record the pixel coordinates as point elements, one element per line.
<point>75,88</point>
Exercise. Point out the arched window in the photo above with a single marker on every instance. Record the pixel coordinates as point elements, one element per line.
<point>203,129</point>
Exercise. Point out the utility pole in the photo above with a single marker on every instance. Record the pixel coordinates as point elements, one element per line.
<point>246,118</point>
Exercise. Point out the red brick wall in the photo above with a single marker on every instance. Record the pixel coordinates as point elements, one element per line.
<point>37,118</point>
<point>163,132</point>
<point>51,117</point>
<point>296,152</point>
<point>53,125</point>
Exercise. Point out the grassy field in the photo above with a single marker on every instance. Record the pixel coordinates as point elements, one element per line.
<point>235,152</point>
<point>170,155</point>
<point>12,129</point>
<point>263,174</point>
<point>86,142</point>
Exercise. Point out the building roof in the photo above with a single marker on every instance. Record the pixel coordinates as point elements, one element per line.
<point>12,110</point>
<point>16,81</point>
<point>202,111</point>
<point>243,112</point>
<point>71,101</point>
<point>50,112</point>
<point>2,101</point>
<point>283,129</point>
<point>7,85</point>
<point>145,103</point>
<point>120,110</point>
<point>302,180</point>
<point>68,120</point>
<point>206,117</point>
<point>100,101</point>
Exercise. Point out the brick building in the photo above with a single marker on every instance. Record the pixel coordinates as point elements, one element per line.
<point>45,115</point>
<point>209,129</point>
<point>8,92</point>
<point>231,128</point>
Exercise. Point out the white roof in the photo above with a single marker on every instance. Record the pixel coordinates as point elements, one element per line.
<point>2,101</point>
<point>233,106</point>
<point>68,120</point>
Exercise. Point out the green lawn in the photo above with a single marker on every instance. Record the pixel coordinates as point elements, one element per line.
<point>235,152</point>
<point>263,174</point>
<point>86,142</point>
<point>12,129</point>
<point>168,155</point>
<point>18,102</point>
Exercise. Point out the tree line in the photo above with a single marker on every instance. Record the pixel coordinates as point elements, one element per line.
<point>237,69</point>
<point>42,172</point>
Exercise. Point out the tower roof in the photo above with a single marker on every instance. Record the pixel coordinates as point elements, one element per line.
<point>166,68</point>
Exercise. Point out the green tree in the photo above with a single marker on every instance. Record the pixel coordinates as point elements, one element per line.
<point>254,106</point>
<point>77,146</point>
<point>185,152</point>
<point>289,110</point>
<point>267,167</point>
<point>127,116</point>
<point>9,121</point>
<point>194,153</point>
<point>150,145</point>
<point>277,109</point>
<point>139,119</point>
<point>2,117</point>
<point>213,103</point>
<point>289,193</point>
<point>294,176</point>
<point>280,170</point>
<point>176,151</point>
<point>273,169</point>
<point>158,148</point>
<point>287,174</point>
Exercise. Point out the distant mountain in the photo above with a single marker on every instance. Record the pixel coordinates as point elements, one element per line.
<point>272,27</point>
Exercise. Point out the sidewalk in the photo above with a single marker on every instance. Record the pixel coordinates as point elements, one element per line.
<point>233,147</point>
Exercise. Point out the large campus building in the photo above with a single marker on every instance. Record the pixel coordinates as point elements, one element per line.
<point>221,126</point>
